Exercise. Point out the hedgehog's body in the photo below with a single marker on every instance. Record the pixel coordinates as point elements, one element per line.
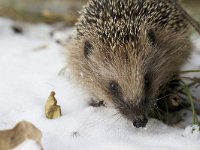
<point>124,50</point>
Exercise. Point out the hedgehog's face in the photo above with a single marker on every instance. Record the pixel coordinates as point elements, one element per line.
<point>127,75</point>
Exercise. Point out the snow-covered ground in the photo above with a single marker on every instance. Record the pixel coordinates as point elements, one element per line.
<point>29,71</point>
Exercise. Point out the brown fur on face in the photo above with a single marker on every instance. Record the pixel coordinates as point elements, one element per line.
<point>136,64</point>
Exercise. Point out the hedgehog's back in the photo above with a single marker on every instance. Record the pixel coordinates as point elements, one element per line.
<point>123,20</point>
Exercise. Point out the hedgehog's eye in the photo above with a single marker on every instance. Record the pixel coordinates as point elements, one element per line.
<point>114,87</point>
<point>152,37</point>
<point>88,49</point>
<point>146,82</point>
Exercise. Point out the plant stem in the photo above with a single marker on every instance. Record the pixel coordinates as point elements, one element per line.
<point>194,115</point>
<point>189,71</point>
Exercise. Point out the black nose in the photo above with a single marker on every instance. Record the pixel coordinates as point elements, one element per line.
<point>140,121</point>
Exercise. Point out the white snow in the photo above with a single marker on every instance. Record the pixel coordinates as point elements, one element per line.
<point>29,71</point>
<point>192,131</point>
<point>28,145</point>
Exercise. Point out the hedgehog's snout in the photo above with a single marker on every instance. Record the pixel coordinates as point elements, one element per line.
<point>140,121</point>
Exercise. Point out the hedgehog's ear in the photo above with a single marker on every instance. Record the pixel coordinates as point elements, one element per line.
<point>88,49</point>
<point>151,36</point>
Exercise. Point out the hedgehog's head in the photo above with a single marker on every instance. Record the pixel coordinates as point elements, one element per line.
<point>129,73</point>
<point>125,62</point>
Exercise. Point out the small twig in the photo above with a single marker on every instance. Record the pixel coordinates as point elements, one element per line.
<point>189,85</point>
<point>191,79</point>
<point>188,17</point>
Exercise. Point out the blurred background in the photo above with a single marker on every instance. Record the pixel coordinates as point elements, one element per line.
<point>66,11</point>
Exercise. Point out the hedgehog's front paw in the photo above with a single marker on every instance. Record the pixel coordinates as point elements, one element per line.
<point>96,103</point>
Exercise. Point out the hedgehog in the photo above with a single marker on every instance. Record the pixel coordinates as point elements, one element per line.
<point>123,51</point>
